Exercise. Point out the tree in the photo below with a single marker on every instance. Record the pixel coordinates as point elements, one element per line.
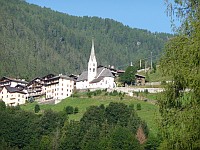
<point>129,76</point>
<point>71,136</point>
<point>180,109</point>
<point>2,105</point>
<point>37,108</point>
<point>122,138</point>
<point>69,110</point>
<point>117,113</point>
<point>75,110</point>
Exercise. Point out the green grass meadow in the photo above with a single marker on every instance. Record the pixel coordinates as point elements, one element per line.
<point>149,112</point>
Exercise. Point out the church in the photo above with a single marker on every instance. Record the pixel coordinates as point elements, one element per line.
<point>95,77</point>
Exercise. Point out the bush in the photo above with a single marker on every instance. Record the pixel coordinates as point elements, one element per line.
<point>106,94</point>
<point>69,110</point>
<point>131,106</point>
<point>102,106</point>
<point>37,108</point>
<point>2,105</point>
<point>138,106</point>
<point>75,110</point>
<point>163,82</point>
<point>89,94</point>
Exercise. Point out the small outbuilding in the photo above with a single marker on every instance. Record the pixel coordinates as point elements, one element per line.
<point>139,79</point>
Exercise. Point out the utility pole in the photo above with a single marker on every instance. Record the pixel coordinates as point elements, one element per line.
<point>140,63</point>
<point>151,61</point>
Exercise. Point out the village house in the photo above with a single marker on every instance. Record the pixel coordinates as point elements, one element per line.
<point>12,82</point>
<point>95,77</point>
<point>35,88</point>
<point>12,96</point>
<point>139,79</point>
<point>58,87</point>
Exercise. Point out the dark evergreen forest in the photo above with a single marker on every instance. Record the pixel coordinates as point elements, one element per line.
<point>35,41</point>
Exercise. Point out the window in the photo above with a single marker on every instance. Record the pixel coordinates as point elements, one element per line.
<point>93,64</point>
<point>93,69</point>
<point>62,89</point>
<point>18,95</point>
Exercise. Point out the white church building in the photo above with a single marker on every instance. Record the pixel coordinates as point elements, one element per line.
<point>95,77</point>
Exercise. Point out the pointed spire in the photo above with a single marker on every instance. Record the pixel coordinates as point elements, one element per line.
<point>92,55</point>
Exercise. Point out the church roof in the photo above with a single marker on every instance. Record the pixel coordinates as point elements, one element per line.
<point>101,73</point>
<point>83,76</point>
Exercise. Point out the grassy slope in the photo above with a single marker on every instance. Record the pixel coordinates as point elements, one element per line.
<point>149,112</point>
<point>157,76</point>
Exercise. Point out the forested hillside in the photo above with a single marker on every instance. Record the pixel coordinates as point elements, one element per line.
<point>35,41</point>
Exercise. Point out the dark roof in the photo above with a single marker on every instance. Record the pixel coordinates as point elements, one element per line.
<point>97,80</point>
<point>14,90</point>
<point>60,76</point>
<point>12,79</point>
<point>34,81</point>
<point>101,73</point>
<point>138,75</point>
<point>48,76</point>
<point>19,86</point>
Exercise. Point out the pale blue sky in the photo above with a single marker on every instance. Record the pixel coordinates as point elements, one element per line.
<point>142,14</point>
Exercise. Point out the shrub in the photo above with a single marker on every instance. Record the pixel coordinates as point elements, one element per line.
<point>37,108</point>
<point>76,110</point>
<point>102,106</point>
<point>89,94</point>
<point>131,106</point>
<point>138,106</point>
<point>163,82</point>
<point>69,110</point>
<point>95,93</point>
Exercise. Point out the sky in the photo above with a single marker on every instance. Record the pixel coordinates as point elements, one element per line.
<point>143,14</point>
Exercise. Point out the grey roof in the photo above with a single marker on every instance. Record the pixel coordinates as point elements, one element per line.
<point>97,80</point>
<point>83,76</point>
<point>11,79</point>
<point>105,73</point>
<point>14,90</point>
<point>101,73</point>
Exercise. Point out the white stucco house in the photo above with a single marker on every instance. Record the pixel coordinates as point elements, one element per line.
<point>95,77</point>
<point>58,87</point>
<point>12,96</point>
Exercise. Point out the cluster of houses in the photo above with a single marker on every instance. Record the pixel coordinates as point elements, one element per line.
<point>15,92</point>
<point>57,87</point>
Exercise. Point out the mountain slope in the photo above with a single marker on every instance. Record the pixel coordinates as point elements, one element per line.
<point>35,41</point>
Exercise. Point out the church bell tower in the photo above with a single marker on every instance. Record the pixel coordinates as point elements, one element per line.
<point>92,64</point>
